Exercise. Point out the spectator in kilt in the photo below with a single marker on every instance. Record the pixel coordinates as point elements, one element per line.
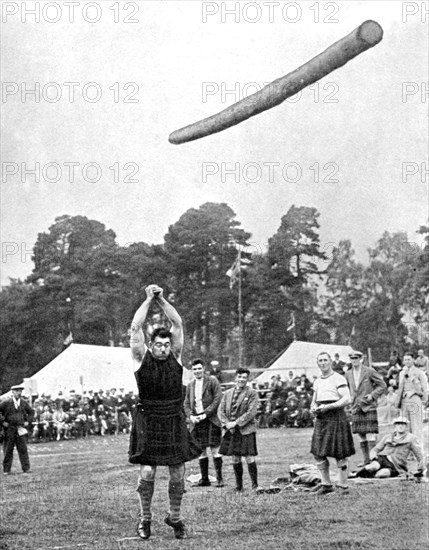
<point>332,436</point>
<point>366,386</point>
<point>159,435</point>
<point>237,414</point>
<point>203,396</point>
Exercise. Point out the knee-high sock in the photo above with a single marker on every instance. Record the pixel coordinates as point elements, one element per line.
<point>145,490</point>
<point>343,472</point>
<point>175,493</point>
<point>217,461</point>
<point>204,467</point>
<point>323,466</point>
<point>238,471</point>
<point>253,472</point>
<point>365,451</point>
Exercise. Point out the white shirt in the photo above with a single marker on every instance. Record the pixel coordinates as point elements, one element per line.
<point>326,389</point>
<point>199,396</point>
<point>16,402</point>
<point>356,375</point>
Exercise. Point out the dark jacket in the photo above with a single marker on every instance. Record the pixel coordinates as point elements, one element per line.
<point>16,417</point>
<point>211,397</point>
<point>370,383</point>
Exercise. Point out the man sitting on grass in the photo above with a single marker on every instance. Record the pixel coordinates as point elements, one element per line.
<point>391,452</point>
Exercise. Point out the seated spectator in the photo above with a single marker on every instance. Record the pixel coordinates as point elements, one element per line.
<point>81,423</point>
<point>304,419</point>
<point>46,424</point>
<point>123,422</point>
<point>290,382</point>
<point>101,416</point>
<point>389,456</point>
<point>291,410</point>
<point>304,384</point>
<point>59,418</point>
<point>277,415</point>
<point>276,386</point>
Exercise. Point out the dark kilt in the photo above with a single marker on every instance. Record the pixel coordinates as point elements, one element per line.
<point>365,422</point>
<point>332,435</point>
<point>237,444</point>
<point>161,440</point>
<point>207,434</point>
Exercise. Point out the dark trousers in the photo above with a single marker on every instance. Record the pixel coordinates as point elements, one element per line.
<point>11,439</point>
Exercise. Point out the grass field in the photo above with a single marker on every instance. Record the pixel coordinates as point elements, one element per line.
<point>81,495</point>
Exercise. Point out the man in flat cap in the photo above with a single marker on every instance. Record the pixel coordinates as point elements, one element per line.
<point>16,416</point>
<point>389,456</point>
<point>366,386</point>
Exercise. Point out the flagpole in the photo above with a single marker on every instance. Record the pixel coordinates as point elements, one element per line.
<point>240,317</point>
<point>294,326</point>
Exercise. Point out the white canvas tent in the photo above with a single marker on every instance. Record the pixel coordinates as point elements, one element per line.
<point>300,357</point>
<point>83,367</point>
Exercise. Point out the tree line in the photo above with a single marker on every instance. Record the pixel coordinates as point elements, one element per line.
<point>85,285</point>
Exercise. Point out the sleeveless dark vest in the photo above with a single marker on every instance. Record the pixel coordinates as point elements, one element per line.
<point>159,435</point>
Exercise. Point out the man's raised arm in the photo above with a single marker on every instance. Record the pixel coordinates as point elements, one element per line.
<point>137,339</point>
<point>176,323</point>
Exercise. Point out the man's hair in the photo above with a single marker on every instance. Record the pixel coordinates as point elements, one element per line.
<point>197,362</point>
<point>160,332</point>
<point>242,370</point>
<point>324,353</point>
<point>410,353</point>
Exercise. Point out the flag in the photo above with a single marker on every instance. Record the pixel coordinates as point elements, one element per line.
<point>69,339</point>
<point>238,265</point>
<point>292,325</point>
<point>233,272</point>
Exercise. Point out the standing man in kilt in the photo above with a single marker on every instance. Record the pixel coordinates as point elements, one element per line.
<point>203,397</point>
<point>366,386</point>
<point>332,436</point>
<point>237,413</point>
<point>159,435</point>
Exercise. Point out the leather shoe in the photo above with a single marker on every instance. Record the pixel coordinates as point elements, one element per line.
<point>178,527</point>
<point>325,489</point>
<point>143,529</point>
<point>203,483</point>
<point>219,483</point>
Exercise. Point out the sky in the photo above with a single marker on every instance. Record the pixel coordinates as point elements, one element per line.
<point>113,81</point>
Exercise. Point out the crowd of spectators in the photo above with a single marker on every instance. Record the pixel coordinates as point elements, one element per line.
<point>285,402</point>
<point>99,412</point>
